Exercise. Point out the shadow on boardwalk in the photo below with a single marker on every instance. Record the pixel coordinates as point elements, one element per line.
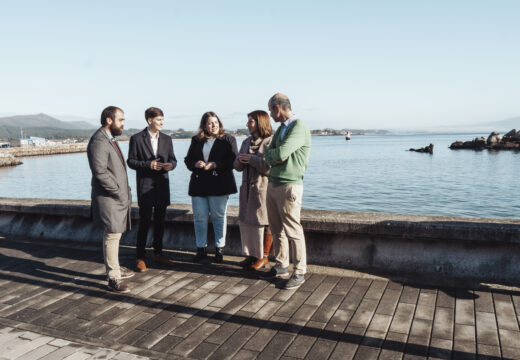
<point>222,311</point>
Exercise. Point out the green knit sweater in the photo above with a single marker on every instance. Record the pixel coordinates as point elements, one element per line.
<point>295,148</point>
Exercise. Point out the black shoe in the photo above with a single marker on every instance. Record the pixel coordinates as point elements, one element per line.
<point>117,286</point>
<point>201,255</point>
<point>275,272</point>
<point>219,255</point>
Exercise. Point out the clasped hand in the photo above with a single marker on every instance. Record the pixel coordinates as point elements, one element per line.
<point>244,158</point>
<point>206,166</point>
<point>157,165</point>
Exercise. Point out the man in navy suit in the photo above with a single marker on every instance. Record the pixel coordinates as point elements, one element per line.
<point>151,155</point>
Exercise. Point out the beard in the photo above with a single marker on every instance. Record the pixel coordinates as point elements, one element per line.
<point>115,130</point>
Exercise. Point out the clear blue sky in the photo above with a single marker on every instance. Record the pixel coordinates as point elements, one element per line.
<point>358,64</point>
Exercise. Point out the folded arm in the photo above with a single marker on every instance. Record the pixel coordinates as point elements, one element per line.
<point>294,139</point>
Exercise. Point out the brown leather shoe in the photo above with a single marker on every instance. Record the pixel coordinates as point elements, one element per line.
<point>268,242</point>
<point>162,260</point>
<point>246,262</point>
<point>140,265</point>
<point>260,263</point>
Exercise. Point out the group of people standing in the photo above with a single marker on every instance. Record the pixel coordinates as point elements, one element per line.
<point>272,166</point>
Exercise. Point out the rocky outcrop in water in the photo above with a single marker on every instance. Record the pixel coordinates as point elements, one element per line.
<point>427,149</point>
<point>510,141</point>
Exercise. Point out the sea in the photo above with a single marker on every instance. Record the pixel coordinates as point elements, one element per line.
<point>369,173</point>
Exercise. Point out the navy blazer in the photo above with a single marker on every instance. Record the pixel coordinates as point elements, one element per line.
<point>220,181</point>
<point>153,187</point>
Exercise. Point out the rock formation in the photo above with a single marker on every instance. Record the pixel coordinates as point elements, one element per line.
<point>427,149</point>
<point>510,141</point>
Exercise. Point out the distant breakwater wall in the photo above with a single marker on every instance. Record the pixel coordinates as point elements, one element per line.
<point>487,250</point>
<point>8,159</point>
<point>45,150</point>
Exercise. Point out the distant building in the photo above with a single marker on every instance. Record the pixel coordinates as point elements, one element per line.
<point>33,141</point>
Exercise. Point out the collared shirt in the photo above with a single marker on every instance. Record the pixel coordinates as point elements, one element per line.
<point>116,146</point>
<point>285,125</point>
<point>110,135</point>
<point>155,142</point>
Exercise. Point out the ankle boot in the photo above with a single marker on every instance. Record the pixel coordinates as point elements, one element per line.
<point>219,254</point>
<point>268,242</point>
<point>201,254</point>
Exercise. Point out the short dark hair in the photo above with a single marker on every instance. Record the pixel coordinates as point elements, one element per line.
<point>109,112</point>
<point>152,112</point>
<point>282,101</point>
<point>203,133</point>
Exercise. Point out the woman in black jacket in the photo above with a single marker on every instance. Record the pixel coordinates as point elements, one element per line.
<point>210,158</point>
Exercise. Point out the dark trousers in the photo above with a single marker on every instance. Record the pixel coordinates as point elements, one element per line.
<point>145,214</point>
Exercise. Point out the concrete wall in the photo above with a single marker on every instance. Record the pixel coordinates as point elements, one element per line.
<point>481,249</point>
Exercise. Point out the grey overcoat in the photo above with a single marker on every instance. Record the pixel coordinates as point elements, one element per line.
<point>111,196</point>
<point>253,190</point>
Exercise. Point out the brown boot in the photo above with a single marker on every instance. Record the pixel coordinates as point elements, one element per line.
<point>268,242</point>
<point>140,265</point>
<point>247,261</point>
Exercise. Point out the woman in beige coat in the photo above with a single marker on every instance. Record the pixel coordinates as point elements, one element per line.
<point>254,230</point>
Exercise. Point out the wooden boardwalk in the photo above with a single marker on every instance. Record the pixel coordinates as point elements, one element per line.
<point>54,305</point>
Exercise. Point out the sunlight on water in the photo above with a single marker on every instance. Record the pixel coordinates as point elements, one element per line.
<point>367,174</point>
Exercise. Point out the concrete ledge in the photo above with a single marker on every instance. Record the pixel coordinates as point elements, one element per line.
<point>481,249</point>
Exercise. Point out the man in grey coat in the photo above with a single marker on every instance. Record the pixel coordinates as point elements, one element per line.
<point>111,196</point>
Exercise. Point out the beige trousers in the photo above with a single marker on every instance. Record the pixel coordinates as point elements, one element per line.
<point>252,238</point>
<point>111,254</point>
<point>284,204</point>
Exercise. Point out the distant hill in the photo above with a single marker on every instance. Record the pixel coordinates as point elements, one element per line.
<point>512,123</point>
<point>52,133</point>
<point>43,121</point>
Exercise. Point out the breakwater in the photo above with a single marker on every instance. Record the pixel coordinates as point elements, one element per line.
<point>8,159</point>
<point>45,150</point>
<point>471,248</point>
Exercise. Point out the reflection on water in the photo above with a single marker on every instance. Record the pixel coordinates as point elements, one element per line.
<point>367,173</point>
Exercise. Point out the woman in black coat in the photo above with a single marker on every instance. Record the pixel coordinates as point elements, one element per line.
<point>210,158</point>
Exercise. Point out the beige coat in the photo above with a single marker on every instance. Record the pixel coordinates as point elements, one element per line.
<point>254,184</point>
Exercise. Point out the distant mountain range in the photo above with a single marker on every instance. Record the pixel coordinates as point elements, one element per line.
<point>70,126</point>
<point>42,125</point>
<point>512,123</point>
<point>43,120</point>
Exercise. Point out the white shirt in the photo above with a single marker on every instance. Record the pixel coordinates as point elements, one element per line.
<point>155,142</point>
<point>289,121</point>
<point>206,149</point>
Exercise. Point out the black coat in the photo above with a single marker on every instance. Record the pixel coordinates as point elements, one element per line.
<point>153,187</point>
<point>213,182</point>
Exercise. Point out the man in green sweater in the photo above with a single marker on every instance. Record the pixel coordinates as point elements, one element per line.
<point>287,155</point>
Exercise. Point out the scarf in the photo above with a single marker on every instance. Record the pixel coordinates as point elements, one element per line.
<point>254,145</point>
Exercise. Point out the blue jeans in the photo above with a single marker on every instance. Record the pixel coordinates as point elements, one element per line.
<point>202,208</point>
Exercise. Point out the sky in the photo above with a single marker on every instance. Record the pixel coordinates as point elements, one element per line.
<point>344,64</point>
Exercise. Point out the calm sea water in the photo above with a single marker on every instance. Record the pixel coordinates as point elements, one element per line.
<point>366,174</point>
